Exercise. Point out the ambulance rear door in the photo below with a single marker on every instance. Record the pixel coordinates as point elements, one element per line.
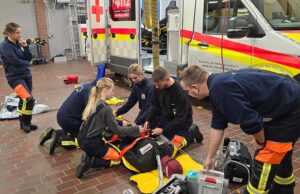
<point>124,27</point>
<point>97,22</point>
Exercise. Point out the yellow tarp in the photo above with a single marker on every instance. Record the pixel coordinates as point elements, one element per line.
<point>148,182</point>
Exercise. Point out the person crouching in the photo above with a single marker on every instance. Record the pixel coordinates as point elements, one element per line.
<point>98,117</point>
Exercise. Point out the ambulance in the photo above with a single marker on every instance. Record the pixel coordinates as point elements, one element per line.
<point>217,35</point>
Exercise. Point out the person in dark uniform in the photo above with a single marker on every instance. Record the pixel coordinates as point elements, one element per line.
<point>265,105</point>
<point>97,118</point>
<point>69,118</point>
<point>16,57</point>
<point>171,112</point>
<point>141,92</point>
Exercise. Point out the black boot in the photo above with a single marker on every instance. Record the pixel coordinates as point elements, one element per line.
<point>100,163</point>
<point>46,135</point>
<point>33,127</point>
<point>25,123</point>
<point>68,141</point>
<point>56,136</point>
<point>196,134</point>
<point>84,165</point>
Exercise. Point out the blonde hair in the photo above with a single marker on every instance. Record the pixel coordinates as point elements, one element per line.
<point>94,98</point>
<point>193,75</point>
<point>136,69</point>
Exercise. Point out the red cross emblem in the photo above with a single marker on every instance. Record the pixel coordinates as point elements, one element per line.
<point>97,10</point>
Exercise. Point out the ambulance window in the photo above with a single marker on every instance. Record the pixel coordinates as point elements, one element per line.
<point>214,12</point>
<point>122,10</point>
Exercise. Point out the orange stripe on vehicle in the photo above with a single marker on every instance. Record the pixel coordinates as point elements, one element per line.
<point>123,30</point>
<point>267,55</point>
<point>82,30</point>
<point>291,31</point>
<point>98,31</point>
<point>21,91</point>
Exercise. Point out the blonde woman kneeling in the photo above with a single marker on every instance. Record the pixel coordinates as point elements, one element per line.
<point>97,117</point>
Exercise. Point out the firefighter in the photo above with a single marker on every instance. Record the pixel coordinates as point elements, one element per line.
<point>266,106</point>
<point>16,58</point>
<point>69,118</point>
<point>97,118</point>
<point>141,92</point>
<point>171,112</point>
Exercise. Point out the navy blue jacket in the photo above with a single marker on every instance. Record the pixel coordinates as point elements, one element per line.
<point>141,93</point>
<point>250,97</point>
<point>69,116</point>
<point>16,60</point>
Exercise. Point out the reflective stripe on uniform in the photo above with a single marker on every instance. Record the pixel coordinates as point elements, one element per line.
<point>284,181</point>
<point>25,112</point>
<point>68,143</point>
<point>253,190</point>
<point>76,143</point>
<point>264,176</point>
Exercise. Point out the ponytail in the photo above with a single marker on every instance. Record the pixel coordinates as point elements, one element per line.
<point>95,96</point>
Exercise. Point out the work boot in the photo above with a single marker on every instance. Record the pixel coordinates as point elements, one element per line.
<point>46,135</point>
<point>84,165</point>
<point>33,127</point>
<point>68,141</point>
<point>24,127</point>
<point>196,134</point>
<point>56,136</point>
<point>25,123</point>
<point>101,163</point>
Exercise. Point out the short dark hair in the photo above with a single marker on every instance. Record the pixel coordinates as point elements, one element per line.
<point>159,74</point>
<point>193,75</point>
<point>10,28</point>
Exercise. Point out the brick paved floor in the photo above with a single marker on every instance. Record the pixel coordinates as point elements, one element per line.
<point>26,167</point>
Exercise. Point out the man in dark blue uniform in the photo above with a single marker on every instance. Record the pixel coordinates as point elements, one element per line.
<point>266,106</point>
<point>141,92</point>
<point>69,117</point>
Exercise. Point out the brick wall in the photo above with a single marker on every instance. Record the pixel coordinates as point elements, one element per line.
<point>42,24</point>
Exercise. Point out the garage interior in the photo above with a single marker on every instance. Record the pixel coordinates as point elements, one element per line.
<point>54,30</point>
